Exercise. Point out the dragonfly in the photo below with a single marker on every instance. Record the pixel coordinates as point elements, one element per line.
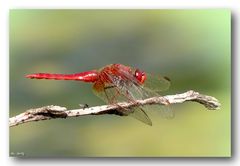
<point>116,83</point>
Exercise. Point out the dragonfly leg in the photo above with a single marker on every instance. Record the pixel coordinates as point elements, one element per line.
<point>107,87</point>
<point>83,106</point>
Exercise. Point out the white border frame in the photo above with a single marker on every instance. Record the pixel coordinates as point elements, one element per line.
<point>233,5</point>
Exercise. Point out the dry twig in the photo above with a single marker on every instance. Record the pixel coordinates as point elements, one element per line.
<point>52,112</point>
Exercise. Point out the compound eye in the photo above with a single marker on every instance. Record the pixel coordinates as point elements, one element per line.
<point>140,76</point>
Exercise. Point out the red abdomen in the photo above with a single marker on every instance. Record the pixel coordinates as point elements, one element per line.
<point>88,76</point>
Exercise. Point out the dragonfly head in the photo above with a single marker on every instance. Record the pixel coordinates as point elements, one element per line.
<point>140,76</point>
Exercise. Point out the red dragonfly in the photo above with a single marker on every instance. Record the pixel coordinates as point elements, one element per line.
<point>119,83</point>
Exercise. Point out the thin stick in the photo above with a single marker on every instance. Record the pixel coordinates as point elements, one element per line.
<point>53,112</point>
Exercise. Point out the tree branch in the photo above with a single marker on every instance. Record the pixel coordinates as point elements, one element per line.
<point>52,112</point>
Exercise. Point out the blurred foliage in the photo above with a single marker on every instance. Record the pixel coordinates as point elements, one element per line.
<point>192,47</point>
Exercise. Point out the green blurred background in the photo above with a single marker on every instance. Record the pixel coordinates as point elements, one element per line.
<point>192,47</point>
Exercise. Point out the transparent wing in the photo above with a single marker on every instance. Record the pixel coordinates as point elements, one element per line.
<point>125,88</point>
<point>154,84</point>
<point>165,112</point>
<point>112,94</point>
<point>122,90</point>
<point>157,83</point>
<point>109,94</point>
<point>139,114</point>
